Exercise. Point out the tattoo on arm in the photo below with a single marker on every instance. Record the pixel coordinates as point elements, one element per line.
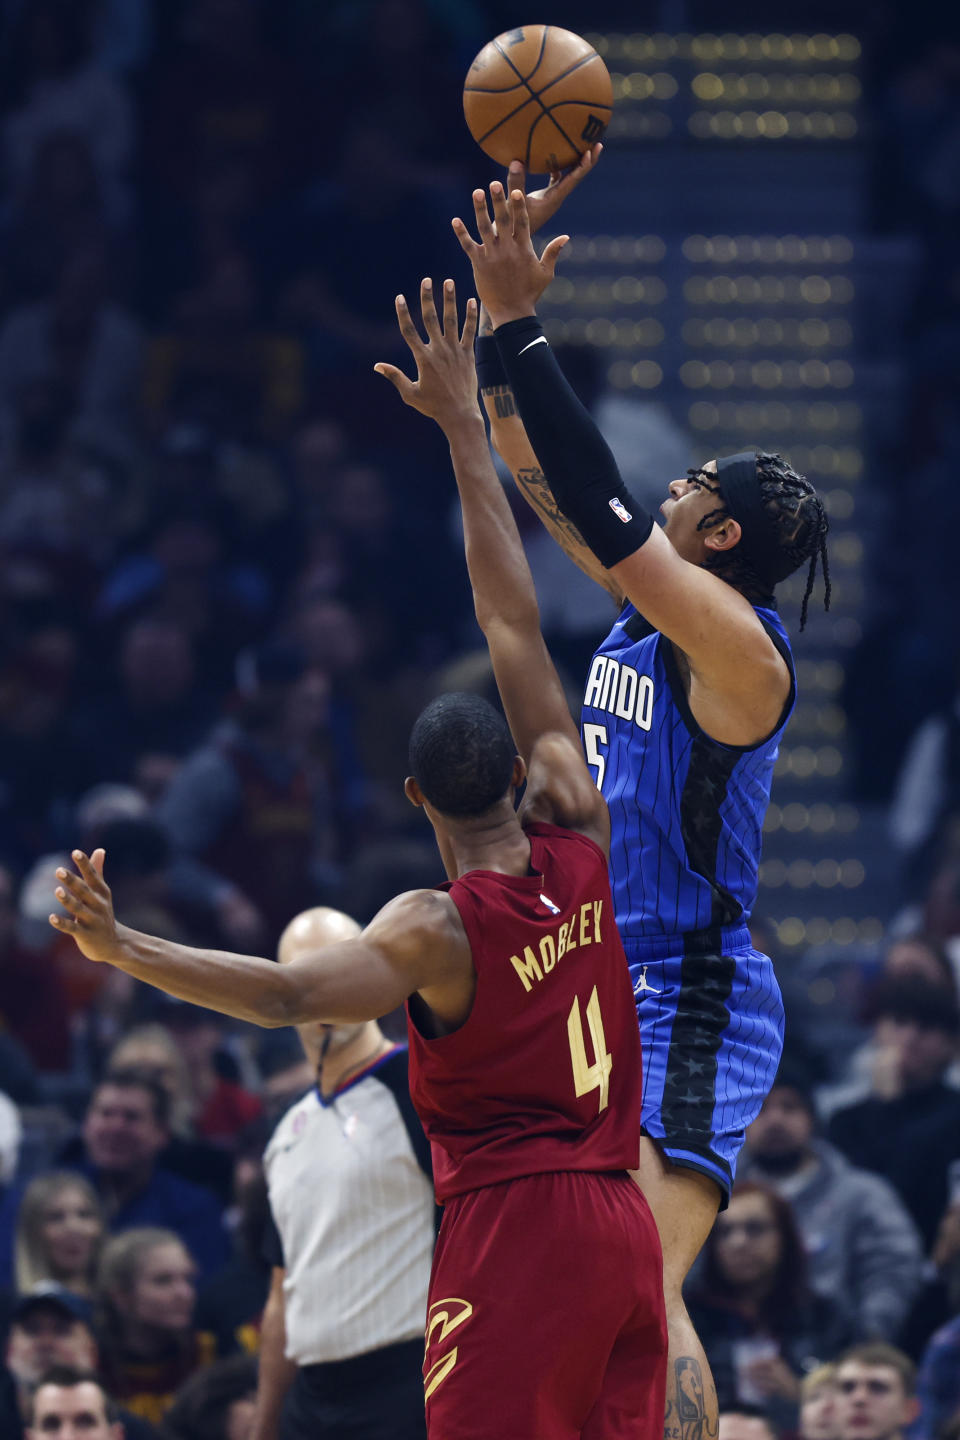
<point>694,1422</point>
<point>533,486</point>
<point>503,401</point>
<point>532,483</point>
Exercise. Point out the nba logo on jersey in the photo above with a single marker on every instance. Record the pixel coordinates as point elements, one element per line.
<point>620,510</point>
<point>554,909</point>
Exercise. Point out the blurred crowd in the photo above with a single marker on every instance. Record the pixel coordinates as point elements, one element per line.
<point>228,583</point>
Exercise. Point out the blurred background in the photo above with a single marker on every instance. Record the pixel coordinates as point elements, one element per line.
<point>230,569</point>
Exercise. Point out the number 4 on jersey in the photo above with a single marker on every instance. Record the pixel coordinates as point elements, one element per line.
<point>596,1076</point>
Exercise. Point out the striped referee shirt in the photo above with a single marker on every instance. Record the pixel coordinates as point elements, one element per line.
<point>351,1196</point>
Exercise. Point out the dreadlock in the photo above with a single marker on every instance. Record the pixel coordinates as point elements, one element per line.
<point>799,519</point>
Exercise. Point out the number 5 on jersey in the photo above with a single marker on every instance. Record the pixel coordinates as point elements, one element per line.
<point>596,1076</point>
<point>593,737</point>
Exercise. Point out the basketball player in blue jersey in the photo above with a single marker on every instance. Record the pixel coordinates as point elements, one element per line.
<point>685,705</point>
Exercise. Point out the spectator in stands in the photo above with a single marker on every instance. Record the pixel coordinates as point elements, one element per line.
<point>760,1324</point>
<point>908,1130</point>
<point>222,1107</point>
<point>818,1404</point>
<point>744,1422</point>
<point>862,1247</point>
<point>88,343</point>
<point>342,1334</point>
<point>146,1287</point>
<point>938,1382</point>
<point>876,1393</point>
<point>231,1305</point>
<point>56,503</point>
<point>57,212</point>
<point>70,1403</point>
<point>913,956</point>
<point>266,779</point>
<point>151,1050</point>
<point>220,358</point>
<point>217,1403</point>
<point>50,86</point>
<point>50,1327</point>
<point>153,710</point>
<point>59,1233</point>
<point>33,1001</point>
<point>126,1129</point>
<point>224,92</point>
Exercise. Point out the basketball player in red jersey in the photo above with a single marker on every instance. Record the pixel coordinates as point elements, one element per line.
<point>545,1318</point>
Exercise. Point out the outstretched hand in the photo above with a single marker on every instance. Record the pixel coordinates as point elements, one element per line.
<point>86,898</point>
<point>446,383</point>
<point>543,204</point>
<point>509,275</point>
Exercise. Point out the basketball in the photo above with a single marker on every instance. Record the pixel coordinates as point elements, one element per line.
<point>537,94</point>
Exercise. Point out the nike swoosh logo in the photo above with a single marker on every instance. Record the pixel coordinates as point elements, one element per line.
<point>540,340</point>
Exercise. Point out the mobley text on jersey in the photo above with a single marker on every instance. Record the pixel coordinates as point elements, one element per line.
<point>571,935</point>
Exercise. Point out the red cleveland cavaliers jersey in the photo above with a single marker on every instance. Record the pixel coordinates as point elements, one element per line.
<point>545,1072</point>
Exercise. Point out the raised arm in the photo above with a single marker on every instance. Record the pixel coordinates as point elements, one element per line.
<point>416,943</point>
<point>560,785</point>
<point>507,431</point>
<point>513,446</point>
<point>738,680</point>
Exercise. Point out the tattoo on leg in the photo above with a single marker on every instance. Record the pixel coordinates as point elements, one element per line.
<point>694,1423</point>
<point>671,1430</point>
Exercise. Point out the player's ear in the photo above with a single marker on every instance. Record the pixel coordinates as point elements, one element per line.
<point>519,773</point>
<point>723,536</point>
<point>413,792</point>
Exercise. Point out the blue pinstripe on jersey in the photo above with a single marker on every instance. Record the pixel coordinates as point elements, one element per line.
<point>686,822</point>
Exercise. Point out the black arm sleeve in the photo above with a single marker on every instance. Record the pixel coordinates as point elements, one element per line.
<point>577,462</point>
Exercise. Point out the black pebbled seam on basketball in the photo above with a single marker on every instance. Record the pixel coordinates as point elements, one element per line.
<point>525,80</point>
<point>548,115</point>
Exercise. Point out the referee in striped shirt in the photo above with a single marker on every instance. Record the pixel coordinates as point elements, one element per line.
<point>351,1199</point>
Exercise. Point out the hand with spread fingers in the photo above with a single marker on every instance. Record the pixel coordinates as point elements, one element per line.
<point>446,385</point>
<point>543,204</point>
<point>89,905</point>
<point>509,275</point>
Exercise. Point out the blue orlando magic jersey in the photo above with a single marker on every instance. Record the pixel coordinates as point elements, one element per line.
<point>686,812</point>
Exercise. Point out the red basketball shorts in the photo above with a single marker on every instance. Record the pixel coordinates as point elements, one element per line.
<point>545,1318</point>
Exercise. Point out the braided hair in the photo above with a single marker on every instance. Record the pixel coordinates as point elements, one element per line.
<point>799,520</point>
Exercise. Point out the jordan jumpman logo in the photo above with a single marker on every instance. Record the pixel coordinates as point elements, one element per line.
<point>642,987</point>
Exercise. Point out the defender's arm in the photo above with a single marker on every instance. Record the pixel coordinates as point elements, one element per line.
<point>414,943</point>
<point>504,597</point>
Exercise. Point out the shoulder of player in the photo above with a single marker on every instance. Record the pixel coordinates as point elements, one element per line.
<point>418,922</point>
<point>703,615</point>
<point>561,791</point>
<point>748,674</point>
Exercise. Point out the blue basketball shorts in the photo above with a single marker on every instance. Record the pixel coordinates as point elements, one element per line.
<point>711,1029</point>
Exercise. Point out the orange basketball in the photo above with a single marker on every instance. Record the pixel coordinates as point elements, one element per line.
<point>537,94</point>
